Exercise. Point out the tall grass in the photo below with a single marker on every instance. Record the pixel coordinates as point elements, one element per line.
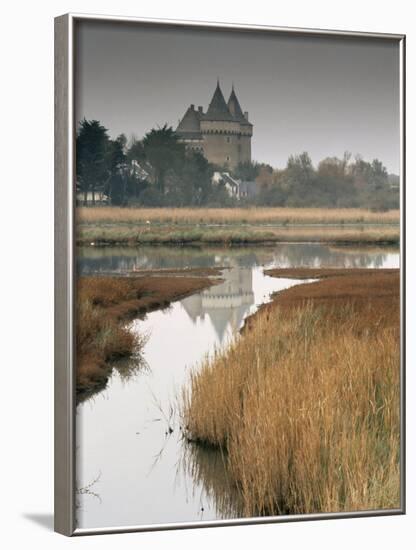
<point>306,406</point>
<point>101,338</point>
<point>226,216</point>
<point>232,235</point>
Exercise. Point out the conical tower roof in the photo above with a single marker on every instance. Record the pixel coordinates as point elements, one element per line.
<point>189,125</point>
<point>235,108</point>
<point>218,109</point>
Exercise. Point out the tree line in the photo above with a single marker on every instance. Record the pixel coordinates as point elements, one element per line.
<point>335,183</point>
<point>154,171</point>
<point>158,171</point>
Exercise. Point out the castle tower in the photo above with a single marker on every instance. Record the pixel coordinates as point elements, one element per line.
<point>220,131</point>
<point>189,129</point>
<point>222,134</point>
<point>246,128</point>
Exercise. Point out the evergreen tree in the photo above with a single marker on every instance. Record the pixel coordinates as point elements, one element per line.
<point>164,152</point>
<point>91,157</point>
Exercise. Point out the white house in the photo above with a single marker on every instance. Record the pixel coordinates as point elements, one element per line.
<point>235,187</point>
<point>87,199</point>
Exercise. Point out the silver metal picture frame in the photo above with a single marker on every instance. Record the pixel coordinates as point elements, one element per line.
<point>65,270</point>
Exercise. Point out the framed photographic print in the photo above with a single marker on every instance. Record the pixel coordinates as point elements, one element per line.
<point>229,274</point>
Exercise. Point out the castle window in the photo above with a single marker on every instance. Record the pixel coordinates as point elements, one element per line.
<point>228,140</point>
<point>228,158</point>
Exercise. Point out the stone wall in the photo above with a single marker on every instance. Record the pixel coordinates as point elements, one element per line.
<point>225,143</point>
<point>222,149</point>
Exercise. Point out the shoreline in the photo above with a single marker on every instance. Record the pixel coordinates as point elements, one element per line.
<point>234,226</point>
<point>231,238</point>
<point>356,286</point>
<point>324,272</point>
<point>232,244</point>
<point>105,305</point>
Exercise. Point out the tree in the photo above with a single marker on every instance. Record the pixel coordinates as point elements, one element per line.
<point>378,175</point>
<point>271,196</point>
<point>300,169</point>
<point>334,184</point>
<point>298,179</point>
<point>264,178</point>
<point>164,152</point>
<point>197,175</point>
<point>190,183</point>
<point>91,157</point>
<point>135,150</point>
<point>116,157</point>
<point>360,170</point>
<point>331,167</point>
<point>118,170</point>
<point>247,171</point>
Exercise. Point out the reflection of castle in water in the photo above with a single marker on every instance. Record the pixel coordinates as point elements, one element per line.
<point>225,304</point>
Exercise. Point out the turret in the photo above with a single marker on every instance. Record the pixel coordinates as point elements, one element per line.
<point>222,134</point>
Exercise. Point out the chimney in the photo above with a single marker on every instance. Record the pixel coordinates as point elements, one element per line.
<point>246,115</point>
<point>192,107</point>
<point>200,109</point>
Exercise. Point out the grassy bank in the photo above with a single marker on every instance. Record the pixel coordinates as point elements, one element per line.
<point>106,304</point>
<point>237,216</point>
<point>233,226</point>
<point>305,404</point>
<point>323,273</point>
<point>178,272</point>
<point>133,235</point>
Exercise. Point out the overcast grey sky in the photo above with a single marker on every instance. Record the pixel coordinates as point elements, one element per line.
<point>321,95</point>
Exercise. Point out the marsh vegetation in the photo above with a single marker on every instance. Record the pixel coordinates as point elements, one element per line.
<point>305,404</point>
<point>280,405</point>
<point>104,307</point>
<point>238,216</point>
<point>103,226</point>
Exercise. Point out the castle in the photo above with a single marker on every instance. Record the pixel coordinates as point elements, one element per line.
<point>222,134</point>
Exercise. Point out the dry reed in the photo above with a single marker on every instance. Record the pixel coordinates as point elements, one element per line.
<point>306,402</point>
<point>226,216</point>
<point>134,235</point>
<point>105,304</point>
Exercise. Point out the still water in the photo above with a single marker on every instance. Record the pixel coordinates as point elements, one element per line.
<point>133,467</point>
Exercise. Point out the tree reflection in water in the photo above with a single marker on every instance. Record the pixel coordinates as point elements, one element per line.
<point>113,260</point>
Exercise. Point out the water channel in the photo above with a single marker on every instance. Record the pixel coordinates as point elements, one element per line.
<point>133,466</point>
